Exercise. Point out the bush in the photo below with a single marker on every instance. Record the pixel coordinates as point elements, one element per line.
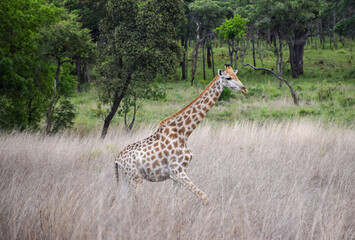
<point>306,112</point>
<point>255,90</point>
<point>226,95</point>
<point>263,112</point>
<point>346,102</point>
<point>63,116</point>
<point>325,91</point>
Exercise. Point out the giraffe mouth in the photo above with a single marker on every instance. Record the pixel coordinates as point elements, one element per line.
<point>244,91</point>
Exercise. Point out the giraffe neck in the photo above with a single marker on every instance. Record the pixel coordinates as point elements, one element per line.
<point>182,124</point>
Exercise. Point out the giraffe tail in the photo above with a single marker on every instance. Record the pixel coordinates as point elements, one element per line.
<point>116,171</point>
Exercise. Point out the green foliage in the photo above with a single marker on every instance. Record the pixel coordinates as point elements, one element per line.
<point>233,28</point>
<point>90,13</point>
<point>63,42</point>
<point>226,95</point>
<point>153,92</point>
<point>140,46</point>
<point>344,10</point>
<point>24,76</point>
<point>32,33</point>
<point>63,116</point>
<point>207,14</point>
<point>346,101</point>
<point>325,90</point>
<point>306,112</point>
<point>66,40</point>
<point>286,17</point>
<point>255,90</point>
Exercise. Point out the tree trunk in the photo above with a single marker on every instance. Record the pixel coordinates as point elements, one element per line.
<point>194,62</point>
<point>334,35</point>
<point>236,55</point>
<point>51,103</point>
<point>118,96</point>
<point>204,60</point>
<point>253,46</point>
<point>330,37</point>
<point>187,59</point>
<point>296,47</point>
<point>209,53</point>
<point>195,55</point>
<point>87,77</point>
<point>342,40</point>
<point>209,50</point>
<point>183,63</point>
<point>212,62</point>
<point>259,52</point>
<point>79,80</point>
<point>130,126</point>
<point>230,51</point>
<point>235,59</point>
<point>322,36</point>
<point>280,58</point>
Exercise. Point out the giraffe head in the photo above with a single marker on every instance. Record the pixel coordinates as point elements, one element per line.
<point>230,80</point>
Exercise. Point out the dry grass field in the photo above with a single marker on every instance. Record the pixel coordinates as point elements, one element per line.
<point>290,180</point>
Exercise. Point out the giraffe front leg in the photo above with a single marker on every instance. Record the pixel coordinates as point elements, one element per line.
<point>182,178</point>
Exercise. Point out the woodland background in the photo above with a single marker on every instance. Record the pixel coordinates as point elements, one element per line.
<point>86,64</point>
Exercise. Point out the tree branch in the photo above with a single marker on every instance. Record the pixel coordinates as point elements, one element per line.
<point>293,93</point>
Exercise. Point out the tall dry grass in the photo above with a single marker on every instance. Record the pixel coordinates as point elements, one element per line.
<point>292,180</point>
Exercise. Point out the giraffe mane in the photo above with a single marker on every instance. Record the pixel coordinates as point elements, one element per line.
<point>199,96</point>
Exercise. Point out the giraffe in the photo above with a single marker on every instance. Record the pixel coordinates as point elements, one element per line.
<point>164,155</point>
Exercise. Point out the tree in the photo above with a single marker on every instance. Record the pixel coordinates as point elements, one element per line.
<point>205,16</point>
<point>63,42</point>
<point>24,85</point>
<point>90,13</point>
<point>233,30</point>
<point>291,20</point>
<point>135,98</point>
<point>344,10</point>
<point>138,45</point>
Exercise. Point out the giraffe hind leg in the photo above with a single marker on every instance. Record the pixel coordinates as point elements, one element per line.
<point>182,178</point>
<point>131,180</point>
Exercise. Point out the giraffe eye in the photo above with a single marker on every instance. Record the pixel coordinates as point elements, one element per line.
<point>229,78</point>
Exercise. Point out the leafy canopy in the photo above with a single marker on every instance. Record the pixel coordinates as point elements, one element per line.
<point>24,75</point>
<point>233,28</point>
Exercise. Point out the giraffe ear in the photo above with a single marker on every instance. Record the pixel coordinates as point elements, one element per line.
<point>219,72</point>
<point>236,71</point>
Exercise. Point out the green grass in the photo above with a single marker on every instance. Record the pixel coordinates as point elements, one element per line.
<point>326,92</point>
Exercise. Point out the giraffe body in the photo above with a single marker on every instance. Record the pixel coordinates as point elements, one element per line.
<point>164,155</point>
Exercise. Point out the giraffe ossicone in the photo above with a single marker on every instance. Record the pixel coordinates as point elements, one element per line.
<point>164,154</point>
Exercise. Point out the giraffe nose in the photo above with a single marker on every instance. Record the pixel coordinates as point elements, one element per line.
<point>244,90</point>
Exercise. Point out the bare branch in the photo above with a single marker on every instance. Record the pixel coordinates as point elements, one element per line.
<point>293,93</point>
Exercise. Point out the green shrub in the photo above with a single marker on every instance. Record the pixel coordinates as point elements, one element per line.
<point>226,95</point>
<point>350,75</point>
<point>325,91</point>
<point>274,94</point>
<point>277,114</point>
<point>346,102</point>
<point>263,112</point>
<point>255,90</point>
<point>98,112</point>
<point>224,116</point>
<point>306,112</point>
<point>298,88</point>
<point>63,116</point>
